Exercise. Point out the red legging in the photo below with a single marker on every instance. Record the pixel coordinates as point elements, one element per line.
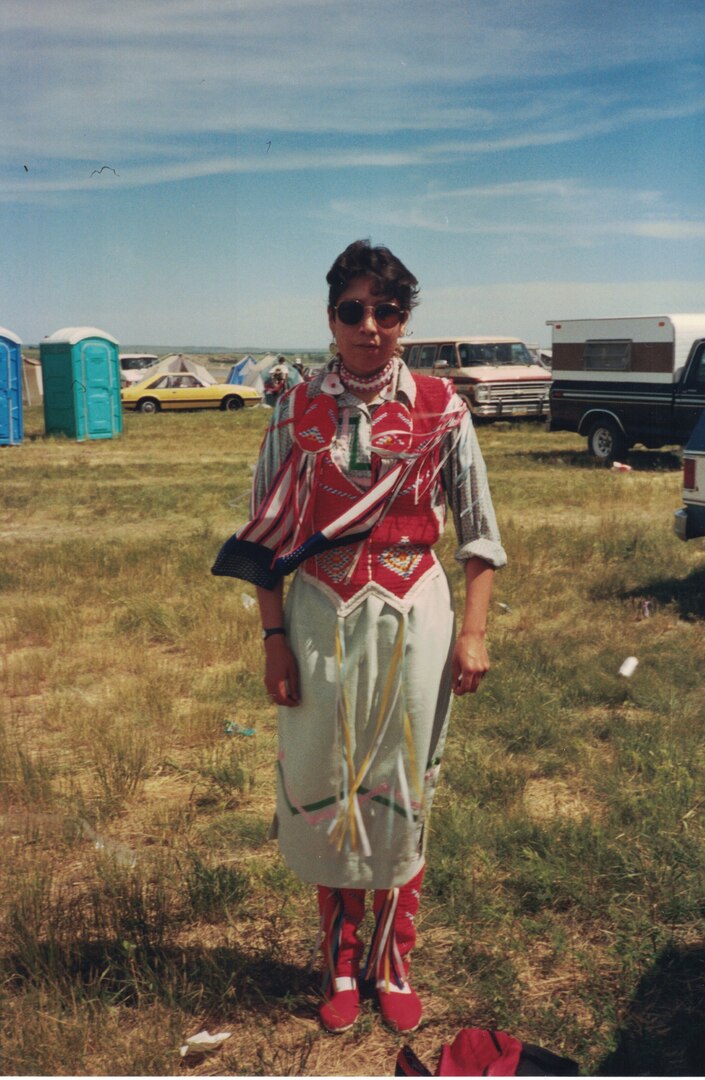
<point>342,911</point>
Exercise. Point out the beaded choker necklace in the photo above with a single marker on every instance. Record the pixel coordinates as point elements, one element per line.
<point>377,381</point>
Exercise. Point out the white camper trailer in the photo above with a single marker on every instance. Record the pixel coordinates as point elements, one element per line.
<point>621,381</point>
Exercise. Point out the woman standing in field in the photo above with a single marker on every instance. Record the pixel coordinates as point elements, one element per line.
<point>350,490</point>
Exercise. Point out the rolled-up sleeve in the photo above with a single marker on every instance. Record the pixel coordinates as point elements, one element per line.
<point>464,478</point>
<point>275,446</point>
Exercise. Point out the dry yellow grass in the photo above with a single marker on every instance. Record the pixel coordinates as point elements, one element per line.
<point>141,899</point>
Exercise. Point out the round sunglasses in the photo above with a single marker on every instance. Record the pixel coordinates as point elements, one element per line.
<point>351,312</point>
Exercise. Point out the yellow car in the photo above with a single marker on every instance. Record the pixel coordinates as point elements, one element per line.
<point>185,391</point>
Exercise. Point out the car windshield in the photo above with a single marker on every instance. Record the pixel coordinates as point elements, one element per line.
<point>500,352</point>
<point>137,363</point>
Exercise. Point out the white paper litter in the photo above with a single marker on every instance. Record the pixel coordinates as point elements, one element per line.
<point>629,667</point>
<point>122,855</point>
<point>204,1043</point>
<point>248,601</point>
<point>619,466</point>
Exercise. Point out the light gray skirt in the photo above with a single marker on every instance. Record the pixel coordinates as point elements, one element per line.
<point>359,759</point>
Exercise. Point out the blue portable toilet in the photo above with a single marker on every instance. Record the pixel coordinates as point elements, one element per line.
<point>11,417</point>
<point>81,375</point>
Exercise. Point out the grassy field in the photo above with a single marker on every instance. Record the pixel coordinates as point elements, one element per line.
<point>140,898</point>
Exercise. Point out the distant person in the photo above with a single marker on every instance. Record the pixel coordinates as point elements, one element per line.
<point>276,383</point>
<point>350,491</point>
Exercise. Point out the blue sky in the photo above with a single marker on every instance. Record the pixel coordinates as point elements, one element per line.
<point>527,159</point>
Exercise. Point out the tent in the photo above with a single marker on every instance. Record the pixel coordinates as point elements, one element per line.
<point>257,375</point>
<point>240,370</point>
<point>179,362</point>
<point>32,386</point>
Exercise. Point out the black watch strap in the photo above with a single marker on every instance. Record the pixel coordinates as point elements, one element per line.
<point>269,632</point>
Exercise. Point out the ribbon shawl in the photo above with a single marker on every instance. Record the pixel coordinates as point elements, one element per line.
<point>280,535</point>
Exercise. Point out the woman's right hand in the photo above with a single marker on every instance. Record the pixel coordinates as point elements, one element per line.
<point>281,672</point>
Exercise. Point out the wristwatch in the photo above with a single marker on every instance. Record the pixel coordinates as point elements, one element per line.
<point>271,631</point>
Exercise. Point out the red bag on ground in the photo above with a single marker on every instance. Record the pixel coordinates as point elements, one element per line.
<point>479,1052</point>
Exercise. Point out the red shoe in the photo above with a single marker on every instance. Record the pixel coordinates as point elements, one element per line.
<point>340,1011</point>
<point>400,1006</point>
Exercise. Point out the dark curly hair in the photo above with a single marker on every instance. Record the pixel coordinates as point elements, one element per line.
<point>391,278</point>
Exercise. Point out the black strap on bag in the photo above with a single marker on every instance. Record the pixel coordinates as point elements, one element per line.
<point>533,1061</point>
<point>409,1065</point>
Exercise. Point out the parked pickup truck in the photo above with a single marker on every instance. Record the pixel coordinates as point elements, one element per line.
<point>625,381</point>
<point>689,522</point>
<point>497,376</point>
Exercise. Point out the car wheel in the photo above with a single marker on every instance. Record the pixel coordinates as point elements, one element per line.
<point>148,405</point>
<point>231,404</point>
<point>606,441</point>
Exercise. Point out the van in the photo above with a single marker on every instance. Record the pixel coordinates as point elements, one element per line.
<point>133,366</point>
<point>622,381</point>
<point>497,376</point>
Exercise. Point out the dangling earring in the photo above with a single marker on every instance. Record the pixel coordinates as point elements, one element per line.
<point>399,348</point>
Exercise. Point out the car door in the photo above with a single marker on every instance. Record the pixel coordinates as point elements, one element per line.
<point>444,360</point>
<point>411,356</point>
<point>182,392</point>
<point>162,390</point>
<point>427,356</point>
<point>689,399</point>
<point>195,394</point>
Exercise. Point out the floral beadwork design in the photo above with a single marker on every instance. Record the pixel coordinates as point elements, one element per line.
<point>402,559</point>
<point>336,563</point>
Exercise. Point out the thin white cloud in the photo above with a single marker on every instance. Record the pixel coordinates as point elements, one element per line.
<point>563,212</point>
<point>523,308</point>
<point>165,157</point>
<point>620,117</point>
<point>395,118</point>
<point>514,308</point>
<point>668,230</point>
<point>173,81</point>
<point>28,189</point>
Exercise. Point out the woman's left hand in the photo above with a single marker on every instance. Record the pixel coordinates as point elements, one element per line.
<point>469,664</point>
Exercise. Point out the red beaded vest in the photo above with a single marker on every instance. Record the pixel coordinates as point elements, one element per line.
<point>344,537</point>
<point>396,555</point>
